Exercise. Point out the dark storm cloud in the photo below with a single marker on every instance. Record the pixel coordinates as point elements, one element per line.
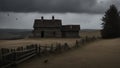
<point>49,6</point>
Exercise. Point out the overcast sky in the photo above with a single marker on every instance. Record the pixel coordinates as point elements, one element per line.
<point>20,14</point>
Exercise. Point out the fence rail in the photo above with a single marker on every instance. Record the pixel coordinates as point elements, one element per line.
<point>11,57</point>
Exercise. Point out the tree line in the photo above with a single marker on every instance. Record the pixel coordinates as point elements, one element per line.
<point>111,23</point>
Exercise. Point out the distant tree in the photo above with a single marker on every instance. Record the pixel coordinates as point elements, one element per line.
<point>111,23</point>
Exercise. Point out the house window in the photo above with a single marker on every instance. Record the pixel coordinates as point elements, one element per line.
<point>71,26</point>
<point>42,34</point>
<point>54,33</point>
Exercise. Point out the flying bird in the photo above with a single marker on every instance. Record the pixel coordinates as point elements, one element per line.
<point>16,18</point>
<point>101,2</point>
<point>8,14</point>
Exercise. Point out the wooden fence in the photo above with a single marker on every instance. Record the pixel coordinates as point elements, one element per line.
<point>10,57</point>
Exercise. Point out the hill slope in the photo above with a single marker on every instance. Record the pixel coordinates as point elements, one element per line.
<point>14,33</point>
<point>100,54</point>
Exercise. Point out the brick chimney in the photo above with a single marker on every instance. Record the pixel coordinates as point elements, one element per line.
<point>42,18</point>
<point>53,18</point>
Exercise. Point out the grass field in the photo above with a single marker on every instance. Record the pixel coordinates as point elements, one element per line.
<point>100,54</point>
<point>90,33</point>
<point>47,41</point>
<point>42,42</point>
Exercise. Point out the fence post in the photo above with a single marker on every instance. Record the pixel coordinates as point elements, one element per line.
<point>1,57</point>
<point>66,46</point>
<point>58,48</point>
<point>86,39</point>
<point>45,51</point>
<point>51,48</point>
<point>14,57</point>
<point>94,38</point>
<point>36,49</point>
<point>77,44</point>
<point>82,41</point>
<point>39,50</point>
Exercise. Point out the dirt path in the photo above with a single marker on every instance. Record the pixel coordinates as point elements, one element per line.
<point>100,54</point>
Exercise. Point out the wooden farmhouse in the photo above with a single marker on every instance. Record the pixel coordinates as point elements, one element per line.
<point>53,28</point>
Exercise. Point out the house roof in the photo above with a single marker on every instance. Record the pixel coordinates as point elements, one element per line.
<point>47,23</point>
<point>70,27</point>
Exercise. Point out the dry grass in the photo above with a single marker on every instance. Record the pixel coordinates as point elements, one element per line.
<point>43,42</point>
<point>95,33</point>
<point>46,41</point>
<point>100,54</point>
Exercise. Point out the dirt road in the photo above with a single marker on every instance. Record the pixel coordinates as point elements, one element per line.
<point>100,54</point>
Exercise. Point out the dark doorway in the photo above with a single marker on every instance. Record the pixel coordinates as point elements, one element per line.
<point>54,34</point>
<point>42,34</point>
<point>63,34</point>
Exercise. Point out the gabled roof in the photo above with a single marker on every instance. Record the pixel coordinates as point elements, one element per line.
<point>70,27</point>
<point>47,23</point>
